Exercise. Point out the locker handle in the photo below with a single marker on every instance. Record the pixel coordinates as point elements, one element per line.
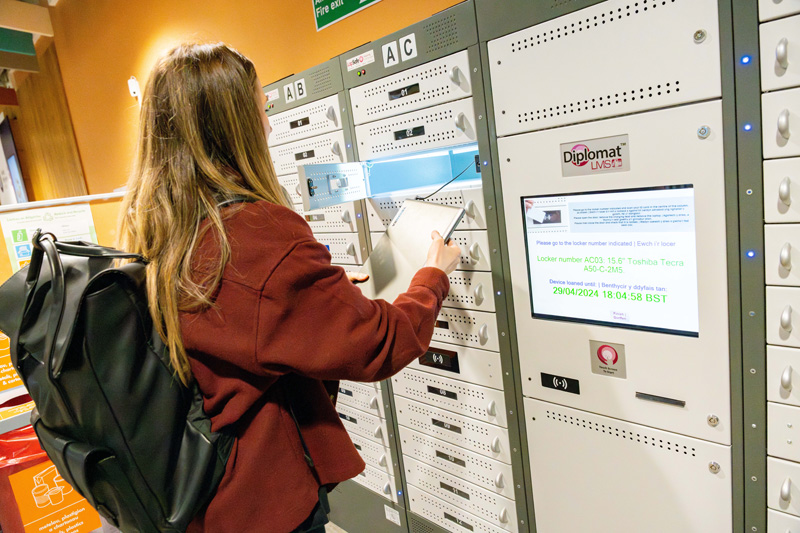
<point>373,402</point>
<point>786,490</point>
<point>782,53</point>
<point>786,318</point>
<point>786,378</point>
<point>377,433</point>
<point>786,256</point>
<point>469,208</point>
<point>475,251</point>
<point>336,149</point>
<point>461,122</point>
<point>382,460</point>
<point>783,124</point>
<point>387,488</point>
<point>496,445</point>
<point>478,293</point>
<point>483,334</point>
<point>331,115</point>
<point>503,516</point>
<point>300,193</point>
<point>491,409</point>
<point>455,75</point>
<point>351,249</point>
<point>785,191</point>
<point>345,216</point>
<point>499,481</point>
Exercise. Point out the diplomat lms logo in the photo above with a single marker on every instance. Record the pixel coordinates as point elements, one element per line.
<point>595,156</point>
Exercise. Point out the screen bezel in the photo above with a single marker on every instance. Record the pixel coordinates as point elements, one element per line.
<point>561,318</point>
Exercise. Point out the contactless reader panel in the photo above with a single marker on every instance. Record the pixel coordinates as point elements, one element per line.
<point>618,265</point>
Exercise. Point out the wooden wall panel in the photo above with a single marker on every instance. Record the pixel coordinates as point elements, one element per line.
<point>43,132</point>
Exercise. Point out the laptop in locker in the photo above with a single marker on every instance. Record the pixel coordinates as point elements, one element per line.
<point>403,249</point>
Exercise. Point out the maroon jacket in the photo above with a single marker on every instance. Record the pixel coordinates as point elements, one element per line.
<point>285,319</point>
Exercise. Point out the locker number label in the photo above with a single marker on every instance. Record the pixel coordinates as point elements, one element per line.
<point>458,521</point>
<point>442,392</point>
<point>449,458</point>
<point>445,425</point>
<point>454,490</point>
<point>401,50</point>
<point>295,91</point>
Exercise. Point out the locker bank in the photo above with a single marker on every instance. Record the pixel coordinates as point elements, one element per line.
<point>620,347</point>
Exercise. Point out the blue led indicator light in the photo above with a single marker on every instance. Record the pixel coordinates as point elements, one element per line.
<point>748,127</point>
<point>349,145</point>
<point>751,253</point>
<point>485,163</point>
<point>746,60</point>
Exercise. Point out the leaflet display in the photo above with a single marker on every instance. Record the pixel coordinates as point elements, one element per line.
<point>619,258</point>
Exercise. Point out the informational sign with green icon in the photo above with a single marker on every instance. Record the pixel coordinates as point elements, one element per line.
<point>327,12</point>
<point>66,222</point>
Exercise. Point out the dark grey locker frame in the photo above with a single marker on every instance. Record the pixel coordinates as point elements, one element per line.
<point>432,45</point>
<point>745,277</point>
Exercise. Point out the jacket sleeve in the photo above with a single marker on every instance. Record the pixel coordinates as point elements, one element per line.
<point>314,322</point>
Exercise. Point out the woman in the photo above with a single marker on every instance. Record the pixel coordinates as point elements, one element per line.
<point>247,300</point>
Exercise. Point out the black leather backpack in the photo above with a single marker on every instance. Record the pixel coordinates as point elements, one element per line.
<point>110,412</point>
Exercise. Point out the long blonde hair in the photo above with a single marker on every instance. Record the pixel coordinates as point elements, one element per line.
<point>201,142</point>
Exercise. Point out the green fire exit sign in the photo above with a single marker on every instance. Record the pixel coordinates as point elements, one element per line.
<point>327,12</point>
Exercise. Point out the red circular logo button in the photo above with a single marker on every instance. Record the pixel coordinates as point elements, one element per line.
<point>607,354</point>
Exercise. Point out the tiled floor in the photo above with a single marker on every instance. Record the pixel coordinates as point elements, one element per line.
<point>333,528</point>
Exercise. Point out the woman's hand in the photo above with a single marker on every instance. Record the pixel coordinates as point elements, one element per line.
<point>357,277</point>
<point>443,256</point>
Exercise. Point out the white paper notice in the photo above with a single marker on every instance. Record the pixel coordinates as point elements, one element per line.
<point>392,515</point>
<point>67,223</point>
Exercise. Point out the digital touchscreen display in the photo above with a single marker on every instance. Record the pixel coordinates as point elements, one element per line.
<point>618,258</point>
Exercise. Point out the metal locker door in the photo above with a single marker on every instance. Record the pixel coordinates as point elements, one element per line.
<point>478,469</point>
<point>783,316</point>
<point>334,219</point>
<point>474,329</point>
<point>447,515</point>
<point>782,190</point>
<point>613,58</point>
<point>315,118</point>
<point>783,375</point>
<point>668,482</point>
<point>436,82</point>
<point>442,126</point>
<point>480,437</point>
<point>471,290</point>
<point>496,510</point>
<point>780,119</point>
<point>772,9</point>
<point>481,403</point>
<point>328,148</point>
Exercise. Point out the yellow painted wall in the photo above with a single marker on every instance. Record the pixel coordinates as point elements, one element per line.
<point>104,214</point>
<point>102,43</point>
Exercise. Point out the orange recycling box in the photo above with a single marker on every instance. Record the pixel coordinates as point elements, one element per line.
<point>34,498</point>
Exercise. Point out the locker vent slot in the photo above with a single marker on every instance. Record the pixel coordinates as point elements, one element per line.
<point>634,8</point>
<point>321,81</point>
<point>621,433</point>
<point>417,526</point>
<point>652,91</point>
<point>442,33</point>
